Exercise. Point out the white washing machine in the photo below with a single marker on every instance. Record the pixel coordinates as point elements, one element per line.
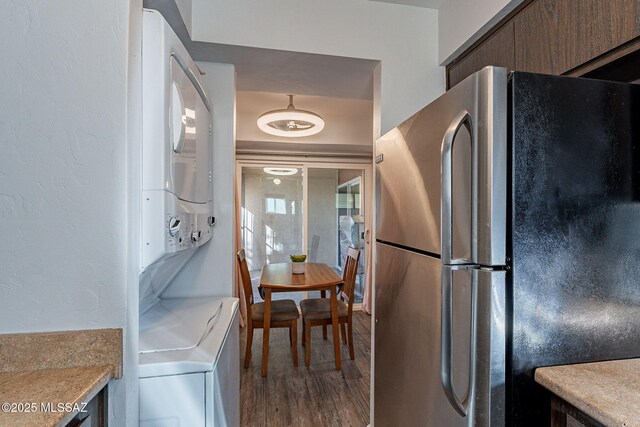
<point>189,365</point>
<point>188,362</point>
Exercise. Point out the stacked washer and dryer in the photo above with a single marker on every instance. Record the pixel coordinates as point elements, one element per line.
<point>188,362</point>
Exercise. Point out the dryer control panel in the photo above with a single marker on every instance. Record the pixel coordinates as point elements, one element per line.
<point>172,225</point>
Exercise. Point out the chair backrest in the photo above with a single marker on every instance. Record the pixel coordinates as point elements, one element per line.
<point>246,281</point>
<point>349,273</point>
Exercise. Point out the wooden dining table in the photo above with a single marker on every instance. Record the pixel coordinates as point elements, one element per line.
<point>317,277</point>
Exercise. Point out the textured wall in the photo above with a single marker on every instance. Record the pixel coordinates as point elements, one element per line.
<point>63,165</point>
<point>63,168</point>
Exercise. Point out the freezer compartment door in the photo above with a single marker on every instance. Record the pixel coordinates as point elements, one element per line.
<point>490,346</point>
<point>443,171</point>
<point>407,366</point>
<point>473,343</point>
<point>439,342</point>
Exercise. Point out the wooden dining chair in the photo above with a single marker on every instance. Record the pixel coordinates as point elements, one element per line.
<point>284,314</point>
<point>317,311</point>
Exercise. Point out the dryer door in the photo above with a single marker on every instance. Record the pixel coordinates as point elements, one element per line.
<point>190,146</point>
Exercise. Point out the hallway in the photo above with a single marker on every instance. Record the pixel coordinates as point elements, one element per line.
<point>314,396</point>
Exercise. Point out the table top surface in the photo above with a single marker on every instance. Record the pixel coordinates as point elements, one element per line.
<point>316,276</point>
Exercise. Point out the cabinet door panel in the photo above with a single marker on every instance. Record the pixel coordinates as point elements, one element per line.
<point>497,50</point>
<point>536,37</point>
<point>589,28</point>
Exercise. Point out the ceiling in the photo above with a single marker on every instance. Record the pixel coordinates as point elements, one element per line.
<point>430,4</point>
<point>348,129</point>
<point>278,71</point>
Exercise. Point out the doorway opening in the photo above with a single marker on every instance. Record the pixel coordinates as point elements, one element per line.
<point>318,210</point>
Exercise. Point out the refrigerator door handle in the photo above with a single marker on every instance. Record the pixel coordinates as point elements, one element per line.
<point>446,205</point>
<point>446,337</point>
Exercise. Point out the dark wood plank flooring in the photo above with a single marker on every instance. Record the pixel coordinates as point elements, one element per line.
<point>314,396</point>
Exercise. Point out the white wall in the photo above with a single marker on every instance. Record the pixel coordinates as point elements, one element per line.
<point>211,270</point>
<point>462,22</point>
<point>404,38</point>
<point>63,168</point>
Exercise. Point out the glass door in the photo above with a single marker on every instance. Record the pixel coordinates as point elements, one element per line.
<point>336,219</point>
<point>312,209</point>
<point>271,219</point>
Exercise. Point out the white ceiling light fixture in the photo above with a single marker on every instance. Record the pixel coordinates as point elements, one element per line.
<point>290,122</point>
<point>277,181</point>
<point>280,171</point>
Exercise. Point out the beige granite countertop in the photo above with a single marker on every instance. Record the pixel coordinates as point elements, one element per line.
<point>49,386</point>
<point>65,367</point>
<point>609,392</point>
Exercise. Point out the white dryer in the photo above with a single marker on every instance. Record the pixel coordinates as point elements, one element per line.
<point>177,188</point>
<point>189,365</point>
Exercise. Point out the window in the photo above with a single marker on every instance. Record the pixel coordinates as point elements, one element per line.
<point>276,205</point>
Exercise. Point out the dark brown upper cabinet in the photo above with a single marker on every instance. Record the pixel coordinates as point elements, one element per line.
<point>496,50</point>
<point>536,37</point>
<point>556,37</point>
<point>590,28</point>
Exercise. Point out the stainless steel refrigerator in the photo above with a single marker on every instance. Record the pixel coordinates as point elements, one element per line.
<point>508,238</point>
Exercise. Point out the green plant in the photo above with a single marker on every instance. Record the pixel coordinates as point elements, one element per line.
<point>298,258</point>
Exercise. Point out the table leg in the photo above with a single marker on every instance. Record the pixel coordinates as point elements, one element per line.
<point>266,325</point>
<point>323,294</point>
<point>334,327</point>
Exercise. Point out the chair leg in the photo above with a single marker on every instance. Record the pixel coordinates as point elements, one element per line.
<point>344,333</point>
<point>290,342</point>
<point>293,332</point>
<point>307,339</point>
<point>352,353</point>
<point>303,332</point>
<point>247,354</point>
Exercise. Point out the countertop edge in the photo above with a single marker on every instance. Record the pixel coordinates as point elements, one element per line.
<point>566,381</point>
<point>100,383</point>
<point>543,377</point>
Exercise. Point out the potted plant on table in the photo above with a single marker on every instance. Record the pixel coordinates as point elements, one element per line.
<point>297,263</point>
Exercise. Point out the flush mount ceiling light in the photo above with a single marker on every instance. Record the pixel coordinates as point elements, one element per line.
<point>281,171</point>
<point>290,122</point>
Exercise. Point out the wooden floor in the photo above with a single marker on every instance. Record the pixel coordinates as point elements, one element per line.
<point>314,396</point>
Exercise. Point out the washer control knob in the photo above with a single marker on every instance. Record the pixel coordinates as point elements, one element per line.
<point>174,226</point>
<point>195,236</point>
